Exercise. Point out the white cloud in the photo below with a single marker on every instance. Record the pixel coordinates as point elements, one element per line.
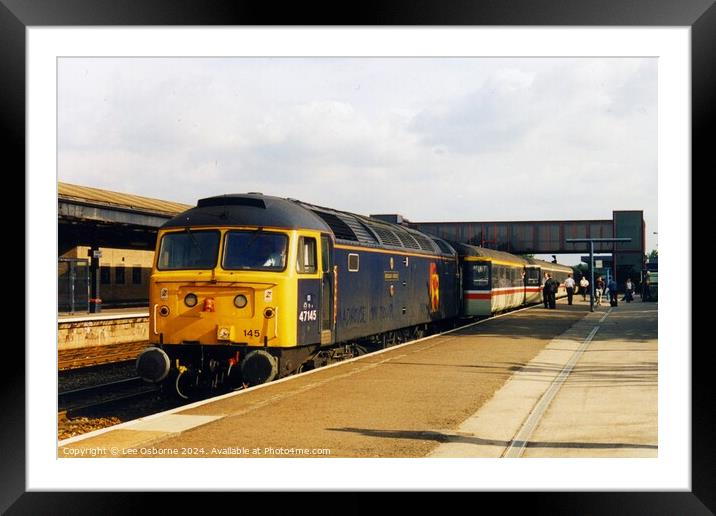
<point>433,139</point>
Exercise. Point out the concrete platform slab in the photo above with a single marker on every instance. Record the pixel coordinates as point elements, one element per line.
<point>171,423</point>
<point>605,407</point>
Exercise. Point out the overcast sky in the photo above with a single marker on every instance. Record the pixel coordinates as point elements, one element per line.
<point>434,139</point>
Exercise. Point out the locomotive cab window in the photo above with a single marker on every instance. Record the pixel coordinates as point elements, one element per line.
<point>255,250</point>
<point>306,262</point>
<point>188,250</point>
<point>353,262</point>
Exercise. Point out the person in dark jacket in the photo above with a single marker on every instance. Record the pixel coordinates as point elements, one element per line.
<point>612,286</point>
<point>545,291</point>
<point>551,285</point>
<point>646,289</point>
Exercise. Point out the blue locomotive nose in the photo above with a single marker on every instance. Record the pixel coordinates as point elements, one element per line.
<point>153,365</point>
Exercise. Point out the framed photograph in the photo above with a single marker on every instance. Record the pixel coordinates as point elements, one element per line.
<point>354,117</point>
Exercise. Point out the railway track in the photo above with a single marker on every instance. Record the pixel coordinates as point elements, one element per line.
<point>103,396</point>
<point>87,357</point>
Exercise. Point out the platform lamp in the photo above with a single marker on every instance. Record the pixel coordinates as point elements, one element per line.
<point>591,260</point>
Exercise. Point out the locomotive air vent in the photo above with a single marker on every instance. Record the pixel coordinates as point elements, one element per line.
<point>361,231</point>
<point>386,236</point>
<point>231,201</point>
<point>444,247</point>
<point>407,239</point>
<point>425,243</point>
<point>340,229</point>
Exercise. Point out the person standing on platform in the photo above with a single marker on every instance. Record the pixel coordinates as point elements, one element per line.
<point>613,297</point>
<point>545,290</point>
<point>551,285</point>
<point>599,290</point>
<point>569,284</point>
<point>583,286</point>
<point>645,291</point>
<point>628,291</point>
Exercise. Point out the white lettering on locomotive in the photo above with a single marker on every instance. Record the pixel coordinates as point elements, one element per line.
<point>308,315</point>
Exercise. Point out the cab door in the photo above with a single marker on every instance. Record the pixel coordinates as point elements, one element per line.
<point>328,278</point>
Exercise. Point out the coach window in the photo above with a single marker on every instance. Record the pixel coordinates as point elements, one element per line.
<point>306,262</point>
<point>353,262</point>
<point>533,276</point>
<point>500,276</point>
<point>479,275</point>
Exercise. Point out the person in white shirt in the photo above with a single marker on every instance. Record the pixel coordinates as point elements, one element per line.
<point>583,286</point>
<point>569,285</point>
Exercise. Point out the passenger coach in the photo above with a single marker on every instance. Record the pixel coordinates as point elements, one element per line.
<point>494,281</point>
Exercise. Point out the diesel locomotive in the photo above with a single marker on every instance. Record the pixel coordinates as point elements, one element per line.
<point>248,288</point>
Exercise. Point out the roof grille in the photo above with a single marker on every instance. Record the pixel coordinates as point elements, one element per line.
<point>407,239</point>
<point>425,243</point>
<point>231,201</point>
<point>444,247</point>
<point>387,237</point>
<point>340,229</point>
<point>364,235</point>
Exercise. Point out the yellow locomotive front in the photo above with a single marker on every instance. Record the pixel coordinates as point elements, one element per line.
<point>223,298</point>
<point>196,298</point>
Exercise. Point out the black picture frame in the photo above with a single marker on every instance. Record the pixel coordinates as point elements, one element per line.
<point>700,15</point>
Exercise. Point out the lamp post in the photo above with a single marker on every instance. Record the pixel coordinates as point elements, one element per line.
<point>591,260</point>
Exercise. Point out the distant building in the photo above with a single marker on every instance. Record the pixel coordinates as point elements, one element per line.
<point>124,275</point>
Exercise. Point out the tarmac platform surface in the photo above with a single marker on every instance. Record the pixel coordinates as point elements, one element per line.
<point>532,383</point>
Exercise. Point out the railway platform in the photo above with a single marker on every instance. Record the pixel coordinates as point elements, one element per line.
<point>105,314</point>
<point>111,335</point>
<point>532,383</point>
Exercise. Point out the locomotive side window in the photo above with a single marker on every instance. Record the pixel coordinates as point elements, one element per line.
<point>255,250</point>
<point>480,276</point>
<point>353,262</point>
<point>188,250</point>
<point>325,254</point>
<point>306,262</point>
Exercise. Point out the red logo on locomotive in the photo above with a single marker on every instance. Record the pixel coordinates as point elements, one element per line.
<point>434,287</point>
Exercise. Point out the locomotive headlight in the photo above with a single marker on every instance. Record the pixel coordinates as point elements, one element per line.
<point>190,300</point>
<point>240,301</point>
